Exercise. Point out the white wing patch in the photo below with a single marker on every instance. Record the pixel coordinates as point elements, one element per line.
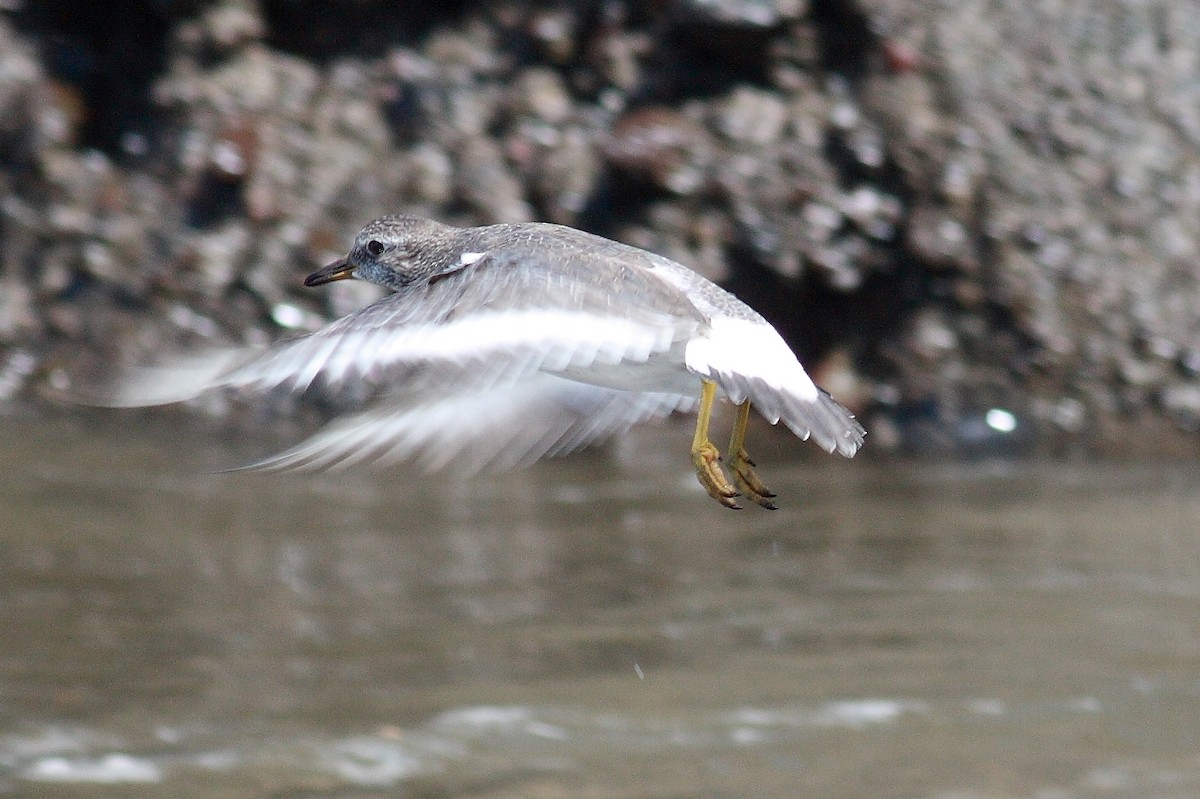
<point>749,360</point>
<point>734,351</point>
<point>563,338</point>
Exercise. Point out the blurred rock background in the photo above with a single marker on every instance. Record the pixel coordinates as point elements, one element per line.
<point>977,222</point>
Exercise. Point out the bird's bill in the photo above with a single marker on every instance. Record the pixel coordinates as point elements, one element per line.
<point>341,269</point>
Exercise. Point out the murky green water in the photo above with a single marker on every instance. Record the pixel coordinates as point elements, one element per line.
<point>593,627</point>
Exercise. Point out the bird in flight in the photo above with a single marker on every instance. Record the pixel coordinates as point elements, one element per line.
<point>503,344</point>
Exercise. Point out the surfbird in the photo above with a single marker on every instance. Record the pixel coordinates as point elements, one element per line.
<point>503,344</point>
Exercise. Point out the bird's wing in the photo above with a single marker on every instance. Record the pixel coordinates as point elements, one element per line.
<point>750,361</point>
<point>498,320</point>
<point>817,416</point>
<point>510,426</point>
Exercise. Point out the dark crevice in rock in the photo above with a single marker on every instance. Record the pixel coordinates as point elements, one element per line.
<point>109,54</point>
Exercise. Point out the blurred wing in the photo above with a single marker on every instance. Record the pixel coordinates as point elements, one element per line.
<point>511,426</point>
<point>494,322</point>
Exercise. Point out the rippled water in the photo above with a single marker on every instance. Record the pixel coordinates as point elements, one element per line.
<point>593,627</point>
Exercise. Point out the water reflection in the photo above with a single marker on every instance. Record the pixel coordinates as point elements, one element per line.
<point>591,627</point>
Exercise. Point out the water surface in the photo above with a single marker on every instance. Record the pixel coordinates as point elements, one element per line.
<point>592,627</point>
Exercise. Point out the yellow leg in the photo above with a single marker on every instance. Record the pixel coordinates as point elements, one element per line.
<point>705,456</point>
<point>741,465</point>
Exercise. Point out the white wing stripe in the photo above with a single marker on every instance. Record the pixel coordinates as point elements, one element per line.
<point>542,339</point>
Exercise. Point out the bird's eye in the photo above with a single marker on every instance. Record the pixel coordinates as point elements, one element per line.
<point>374,247</point>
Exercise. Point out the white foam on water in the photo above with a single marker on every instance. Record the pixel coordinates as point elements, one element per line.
<point>109,769</point>
<point>856,713</point>
<point>371,761</point>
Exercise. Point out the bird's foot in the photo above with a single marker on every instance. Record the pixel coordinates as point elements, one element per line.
<point>707,461</point>
<point>743,472</point>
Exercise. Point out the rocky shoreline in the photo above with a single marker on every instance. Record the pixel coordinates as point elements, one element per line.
<point>979,226</point>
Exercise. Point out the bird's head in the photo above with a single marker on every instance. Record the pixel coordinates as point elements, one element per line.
<point>394,251</point>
